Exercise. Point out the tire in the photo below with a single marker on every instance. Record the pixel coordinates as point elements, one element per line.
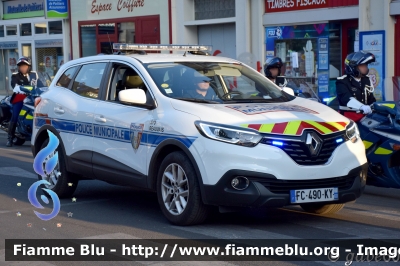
<point>318,208</point>
<point>190,209</point>
<point>17,141</point>
<point>61,184</point>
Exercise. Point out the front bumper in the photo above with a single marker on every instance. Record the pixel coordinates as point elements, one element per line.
<point>267,191</point>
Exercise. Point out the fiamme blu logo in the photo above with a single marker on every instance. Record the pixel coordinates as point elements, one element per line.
<point>45,162</point>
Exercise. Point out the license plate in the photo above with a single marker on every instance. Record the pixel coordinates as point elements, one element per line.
<point>314,195</point>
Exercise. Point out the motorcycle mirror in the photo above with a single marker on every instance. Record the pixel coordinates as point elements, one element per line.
<point>288,90</point>
<point>353,103</point>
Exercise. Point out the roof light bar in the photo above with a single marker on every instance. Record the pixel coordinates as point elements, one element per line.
<point>159,47</point>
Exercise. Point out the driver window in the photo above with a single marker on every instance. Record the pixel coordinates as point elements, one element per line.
<point>124,78</point>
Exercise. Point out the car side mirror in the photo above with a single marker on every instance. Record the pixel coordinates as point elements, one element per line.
<point>288,90</point>
<point>132,96</point>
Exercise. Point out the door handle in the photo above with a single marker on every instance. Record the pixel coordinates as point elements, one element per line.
<point>59,110</point>
<point>100,118</point>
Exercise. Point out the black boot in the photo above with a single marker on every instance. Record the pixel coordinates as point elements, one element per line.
<point>11,133</point>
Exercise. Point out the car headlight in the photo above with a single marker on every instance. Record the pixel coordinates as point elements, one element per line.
<point>352,132</point>
<point>229,134</point>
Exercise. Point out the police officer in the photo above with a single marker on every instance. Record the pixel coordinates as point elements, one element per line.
<point>355,87</point>
<point>23,77</point>
<point>272,70</point>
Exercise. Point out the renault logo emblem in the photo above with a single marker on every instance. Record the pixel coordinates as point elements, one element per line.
<point>314,143</point>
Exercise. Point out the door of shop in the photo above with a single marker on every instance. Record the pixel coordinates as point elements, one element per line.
<point>349,39</point>
<point>126,30</point>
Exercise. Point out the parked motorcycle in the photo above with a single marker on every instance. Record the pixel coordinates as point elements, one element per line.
<point>380,133</point>
<point>23,131</point>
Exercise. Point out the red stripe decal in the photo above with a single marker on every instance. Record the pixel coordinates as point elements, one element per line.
<point>256,127</point>
<point>328,126</point>
<point>342,123</point>
<point>302,126</point>
<point>279,128</point>
<point>312,127</point>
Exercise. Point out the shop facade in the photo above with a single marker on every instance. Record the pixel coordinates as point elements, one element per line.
<point>25,31</point>
<point>233,27</point>
<point>97,24</point>
<point>312,38</point>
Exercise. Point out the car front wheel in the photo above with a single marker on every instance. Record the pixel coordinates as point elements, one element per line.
<point>319,208</point>
<point>61,182</point>
<point>178,191</point>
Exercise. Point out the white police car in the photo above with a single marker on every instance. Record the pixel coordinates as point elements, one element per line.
<point>199,130</point>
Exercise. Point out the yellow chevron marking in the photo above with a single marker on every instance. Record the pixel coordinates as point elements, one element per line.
<point>266,128</point>
<point>319,126</point>
<point>367,144</point>
<point>292,127</point>
<point>337,125</point>
<point>390,105</point>
<point>383,151</point>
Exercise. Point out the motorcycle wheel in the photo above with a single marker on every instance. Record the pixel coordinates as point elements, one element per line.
<point>18,141</point>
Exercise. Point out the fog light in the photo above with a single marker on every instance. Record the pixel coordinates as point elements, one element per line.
<point>240,183</point>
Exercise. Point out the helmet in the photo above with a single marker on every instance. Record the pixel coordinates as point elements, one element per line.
<point>274,62</point>
<point>24,60</point>
<point>353,60</point>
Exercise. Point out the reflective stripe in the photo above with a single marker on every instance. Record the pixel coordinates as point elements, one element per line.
<point>390,105</point>
<point>383,151</point>
<point>319,126</point>
<point>296,128</point>
<point>266,128</point>
<point>23,112</point>
<point>292,127</point>
<point>29,117</point>
<point>339,126</point>
<point>367,144</point>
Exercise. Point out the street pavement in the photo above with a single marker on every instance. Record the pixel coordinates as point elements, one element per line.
<point>104,211</point>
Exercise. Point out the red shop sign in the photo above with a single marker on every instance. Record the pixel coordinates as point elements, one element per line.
<point>290,5</point>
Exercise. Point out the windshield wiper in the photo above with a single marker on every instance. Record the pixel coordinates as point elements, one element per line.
<point>196,100</point>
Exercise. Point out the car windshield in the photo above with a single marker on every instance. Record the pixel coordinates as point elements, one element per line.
<point>206,82</point>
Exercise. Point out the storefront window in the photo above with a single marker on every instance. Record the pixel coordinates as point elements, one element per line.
<point>311,56</point>
<point>126,32</point>
<point>88,40</point>
<point>8,65</point>
<point>49,60</point>
<point>25,29</point>
<point>40,28</point>
<point>26,50</point>
<point>55,27</point>
<point>11,30</point>
<point>108,28</point>
<point>206,9</point>
<point>1,31</point>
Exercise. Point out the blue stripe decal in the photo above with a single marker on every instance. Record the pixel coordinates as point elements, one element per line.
<point>112,133</point>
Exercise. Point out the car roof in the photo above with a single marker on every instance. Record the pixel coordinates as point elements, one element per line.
<point>158,58</point>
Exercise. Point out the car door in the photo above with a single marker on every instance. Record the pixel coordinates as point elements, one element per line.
<point>73,114</point>
<point>119,145</point>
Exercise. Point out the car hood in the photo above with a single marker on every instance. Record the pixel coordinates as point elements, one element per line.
<point>300,113</point>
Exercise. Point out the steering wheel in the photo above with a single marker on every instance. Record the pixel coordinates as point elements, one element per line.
<point>231,93</point>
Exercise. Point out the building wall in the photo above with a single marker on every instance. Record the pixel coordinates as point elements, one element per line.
<point>81,10</point>
<point>374,16</point>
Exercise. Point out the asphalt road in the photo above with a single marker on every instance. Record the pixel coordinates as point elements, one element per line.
<point>104,211</point>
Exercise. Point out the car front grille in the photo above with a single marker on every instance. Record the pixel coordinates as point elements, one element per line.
<point>300,152</point>
<point>284,186</point>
